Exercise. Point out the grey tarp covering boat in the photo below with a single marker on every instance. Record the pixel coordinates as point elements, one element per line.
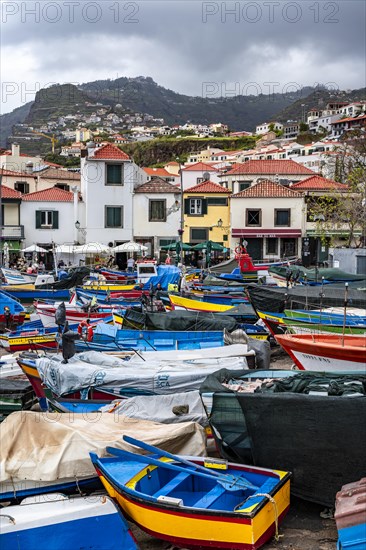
<point>319,438</point>
<point>75,278</point>
<point>118,377</point>
<point>178,320</point>
<point>277,299</point>
<point>224,267</point>
<point>316,274</point>
<point>177,407</point>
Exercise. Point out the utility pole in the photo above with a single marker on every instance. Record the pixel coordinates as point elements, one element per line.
<point>181,228</point>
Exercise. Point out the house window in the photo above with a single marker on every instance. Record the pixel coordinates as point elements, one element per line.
<point>272,245</point>
<point>244,185</point>
<point>199,180</point>
<point>225,238</point>
<point>46,219</point>
<point>63,186</point>
<point>157,210</point>
<point>21,186</point>
<point>253,217</point>
<point>195,206</point>
<point>282,217</point>
<point>199,234</point>
<point>217,201</point>
<point>114,174</point>
<point>114,216</point>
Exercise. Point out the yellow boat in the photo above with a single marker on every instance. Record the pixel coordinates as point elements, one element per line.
<point>197,305</point>
<point>193,504</point>
<point>112,287</point>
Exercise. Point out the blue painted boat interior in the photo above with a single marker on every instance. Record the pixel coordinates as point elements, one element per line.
<point>352,538</point>
<point>196,492</point>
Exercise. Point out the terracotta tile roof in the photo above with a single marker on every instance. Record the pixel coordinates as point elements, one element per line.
<point>157,185</point>
<point>200,167</point>
<point>109,152</point>
<point>52,173</point>
<point>272,167</point>
<point>318,183</point>
<point>53,164</point>
<point>349,119</point>
<point>54,194</point>
<point>265,189</point>
<point>208,187</point>
<point>15,174</point>
<point>161,172</point>
<point>9,193</point>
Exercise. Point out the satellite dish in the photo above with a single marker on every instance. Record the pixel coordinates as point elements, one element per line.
<point>206,176</point>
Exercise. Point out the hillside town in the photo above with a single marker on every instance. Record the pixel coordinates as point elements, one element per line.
<point>261,196</point>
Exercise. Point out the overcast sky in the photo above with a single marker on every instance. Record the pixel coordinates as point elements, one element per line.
<point>182,45</point>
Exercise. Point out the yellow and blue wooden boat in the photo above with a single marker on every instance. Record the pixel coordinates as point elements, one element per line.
<point>222,505</point>
<point>197,305</point>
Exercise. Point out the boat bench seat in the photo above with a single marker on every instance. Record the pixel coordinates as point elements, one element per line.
<point>171,485</point>
<point>210,497</point>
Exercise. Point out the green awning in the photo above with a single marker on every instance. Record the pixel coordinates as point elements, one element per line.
<point>14,246</point>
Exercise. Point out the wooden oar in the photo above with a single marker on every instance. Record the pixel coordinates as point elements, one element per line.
<point>228,484</point>
<point>164,454</point>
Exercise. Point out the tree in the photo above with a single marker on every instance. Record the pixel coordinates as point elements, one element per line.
<point>345,208</point>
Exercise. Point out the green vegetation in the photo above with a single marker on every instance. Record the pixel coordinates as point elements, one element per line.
<point>64,161</point>
<point>157,152</point>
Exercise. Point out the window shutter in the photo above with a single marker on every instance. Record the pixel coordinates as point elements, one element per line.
<point>204,206</point>
<point>38,219</point>
<point>186,206</point>
<point>26,188</point>
<point>55,220</point>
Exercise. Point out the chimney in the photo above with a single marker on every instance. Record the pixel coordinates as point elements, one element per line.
<point>15,150</point>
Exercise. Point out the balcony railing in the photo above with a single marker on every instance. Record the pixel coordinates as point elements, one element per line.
<point>12,232</point>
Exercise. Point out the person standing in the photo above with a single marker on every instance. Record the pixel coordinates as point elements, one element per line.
<point>130,264</point>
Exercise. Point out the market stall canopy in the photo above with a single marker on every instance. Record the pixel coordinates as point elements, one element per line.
<point>173,246</point>
<point>130,247</point>
<point>208,245</point>
<point>66,249</point>
<point>92,248</point>
<point>34,248</point>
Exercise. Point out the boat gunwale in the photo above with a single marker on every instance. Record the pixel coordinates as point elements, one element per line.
<point>148,501</point>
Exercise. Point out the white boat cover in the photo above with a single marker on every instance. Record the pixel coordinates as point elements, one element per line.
<point>119,377</point>
<point>177,407</point>
<point>52,446</point>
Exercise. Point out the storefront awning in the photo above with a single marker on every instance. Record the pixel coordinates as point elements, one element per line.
<point>258,232</point>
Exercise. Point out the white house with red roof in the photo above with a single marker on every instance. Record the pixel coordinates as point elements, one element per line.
<point>193,174</point>
<point>269,219</point>
<point>157,211</point>
<point>162,173</point>
<point>244,175</point>
<point>47,216</point>
<point>16,161</point>
<point>108,181</point>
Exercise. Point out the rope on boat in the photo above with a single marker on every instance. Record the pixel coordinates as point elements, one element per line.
<point>277,536</point>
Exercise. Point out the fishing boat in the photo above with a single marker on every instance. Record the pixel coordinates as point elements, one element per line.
<point>196,503</point>
<point>326,352</point>
<point>312,322</point>
<point>181,302</point>
<point>65,523</point>
<point>62,463</point>
<point>75,313</point>
<point>108,338</point>
<point>17,311</point>
<point>96,375</point>
<point>350,516</point>
<point>27,289</point>
<point>307,422</point>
